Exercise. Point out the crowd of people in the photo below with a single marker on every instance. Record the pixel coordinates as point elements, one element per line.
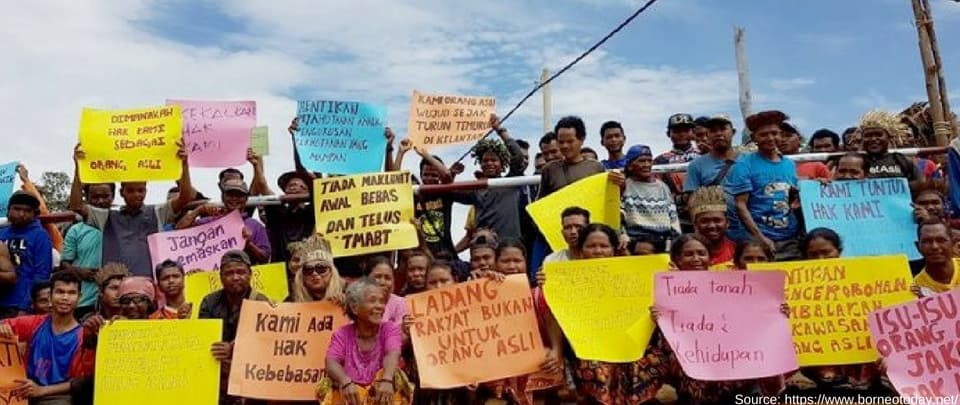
<point>735,204</point>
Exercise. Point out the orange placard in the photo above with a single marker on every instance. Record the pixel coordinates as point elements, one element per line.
<point>11,368</point>
<point>440,120</point>
<point>474,332</point>
<point>279,352</point>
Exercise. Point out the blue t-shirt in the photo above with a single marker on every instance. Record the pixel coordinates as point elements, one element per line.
<point>614,164</point>
<point>768,184</point>
<point>701,172</point>
<point>51,354</point>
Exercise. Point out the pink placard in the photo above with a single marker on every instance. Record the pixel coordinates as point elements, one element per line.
<point>217,133</point>
<point>198,248</point>
<point>920,345</point>
<point>725,325</point>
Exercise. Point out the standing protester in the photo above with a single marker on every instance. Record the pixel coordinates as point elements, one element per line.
<point>287,222</point>
<point>125,230</point>
<point>701,134</point>
<point>170,283</point>
<point>56,238</point>
<point>879,128</point>
<point>549,148</point>
<point>824,141</point>
<point>763,184</point>
<point>557,174</point>
<point>712,168</point>
<point>30,250</point>
<point>852,139</point>
<point>572,221</point>
<point>646,204</point>
<point>613,138</point>
<point>83,246</point>
<point>680,130</point>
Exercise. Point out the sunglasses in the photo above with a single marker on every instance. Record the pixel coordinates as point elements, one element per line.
<point>320,270</point>
<point>136,299</point>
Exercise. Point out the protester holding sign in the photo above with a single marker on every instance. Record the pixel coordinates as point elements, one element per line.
<point>571,132</point>
<point>138,297</point>
<point>234,194</point>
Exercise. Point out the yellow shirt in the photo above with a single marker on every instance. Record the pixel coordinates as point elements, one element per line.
<point>923,280</point>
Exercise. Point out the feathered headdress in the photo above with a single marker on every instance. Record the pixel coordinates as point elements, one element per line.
<point>884,120</point>
<point>707,199</point>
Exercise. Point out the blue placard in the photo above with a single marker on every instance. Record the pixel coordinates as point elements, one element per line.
<point>873,217</point>
<point>8,175</point>
<point>341,137</point>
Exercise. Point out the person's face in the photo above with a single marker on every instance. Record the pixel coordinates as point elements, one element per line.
<point>110,296</point>
<point>823,145</point>
<point>597,245</point>
<point>752,254</point>
<point>99,195</point>
<point>482,259</point>
<point>20,214</point>
<point>370,308</point>
<point>439,277</point>
<point>135,306</point>
<point>854,142</point>
<point>491,165</point>
<point>430,175</point>
<point>711,225</point>
<point>641,168</point>
<point>234,200</point>
<point>955,235</point>
<point>820,248</point>
<point>511,261</point>
<point>64,297</point>
<point>417,272</point>
<point>569,144</point>
<point>295,186</point>
<point>681,135</point>
<point>931,202</point>
<point>935,244</point>
<point>850,168</point>
<point>316,276</point>
<point>550,151</point>
<point>702,136</point>
<point>572,224</point>
<point>526,158</point>
<point>540,163</point>
<point>693,256</point>
<point>133,194</point>
<point>643,249</point>
<point>170,282</point>
<point>720,137</point>
<point>906,139</point>
<point>613,140</point>
<point>875,140</point>
<point>767,138</point>
<point>235,278</point>
<point>43,304</point>
<point>383,275</point>
<point>789,143</point>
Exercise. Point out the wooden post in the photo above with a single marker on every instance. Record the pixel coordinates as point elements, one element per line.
<point>743,73</point>
<point>930,73</point>
<point>938,64</point>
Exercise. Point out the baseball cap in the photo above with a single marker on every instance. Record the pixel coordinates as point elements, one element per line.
<point>235,256</point>
<point>680,120</point>
<point>234,185</point>
<point>719,119</point>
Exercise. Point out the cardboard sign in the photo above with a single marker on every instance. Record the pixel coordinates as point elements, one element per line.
<point>601,318</point>
<point>130,145</point>
<point>11,369</point>
<point>217,133</point>
<point>157,362</point>
<point>279,351</point>
<point>8,176</point>
<point>475,332</point>
<point>873,216</point>
<point>437,120</point>
<point>920,345</point>
<point>198,248</point>
<point>725,326</point>
<point>342,137</point>
<point>260,140</point>
<point>365,213</point>
<point>831,299</point>
<point>594,194</point>
<point>267,279</point>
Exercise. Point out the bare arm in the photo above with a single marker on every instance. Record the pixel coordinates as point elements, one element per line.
<point>337,372</point>
<point>259,185</point>
<point>76,190</point>
<point>8,274</point>
<point>445,175</point>
<point>187,193</point>
<point>388,157</point>
<point>744,213</point>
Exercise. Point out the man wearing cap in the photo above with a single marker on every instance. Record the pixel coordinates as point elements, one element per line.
<point>680,130</point>
<point>30,250</point>
<point>225,304</point>
<point>712,168</point>
<point>762,184</point>
<point>234,194</point>
<point>612,138</point>
<point>646,203</point>
<point>789,144</point>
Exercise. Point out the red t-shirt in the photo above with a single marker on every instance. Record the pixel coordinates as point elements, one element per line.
<point>813,171</point>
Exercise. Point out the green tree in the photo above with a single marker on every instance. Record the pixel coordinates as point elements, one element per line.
<point>55,187</point>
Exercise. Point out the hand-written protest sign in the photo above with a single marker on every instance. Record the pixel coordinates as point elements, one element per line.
<point>447,120</point>
<point>157,362</point>
<point>260,140</point>
<point>365,213</point>
<point>475,332</point>
<point>725,326</point>
<point>201,247</point>
<point>279,351</point>
<point>8,175</point>
<point>342,137</point>
<point>602,319</point>
<point>831,299</point>
<point>267,279</point>
<point>11,368</point>
<point>874,216</point>
<point>217,133</point>
<point>920,345</point>
<point>594,194</point>
<point>130,145</point>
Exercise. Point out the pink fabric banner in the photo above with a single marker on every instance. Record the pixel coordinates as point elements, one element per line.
<point>217,133</point>
<point>920,345</point>
<point>198,248</point>
<point>725,325</point>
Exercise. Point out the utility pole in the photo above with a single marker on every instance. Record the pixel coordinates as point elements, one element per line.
<point>547,119</point>
<point>944,124</point>
<point>743,73</point>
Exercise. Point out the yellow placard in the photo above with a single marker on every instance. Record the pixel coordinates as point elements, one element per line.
<point>831,299</point>
<point>268,279</point>
<point>158,362</point>
<point>365,213</point>
<point>440,120</point>
<point>130,145</point>
<point>602,305</point>
<point>594,194</point>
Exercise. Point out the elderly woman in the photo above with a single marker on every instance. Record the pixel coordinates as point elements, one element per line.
<point>362,360</point>
<point>647,203</point>
<point>316,277</point>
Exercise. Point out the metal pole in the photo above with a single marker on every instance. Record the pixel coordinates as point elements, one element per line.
<point>547,104</point>
<point>743,73</point>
